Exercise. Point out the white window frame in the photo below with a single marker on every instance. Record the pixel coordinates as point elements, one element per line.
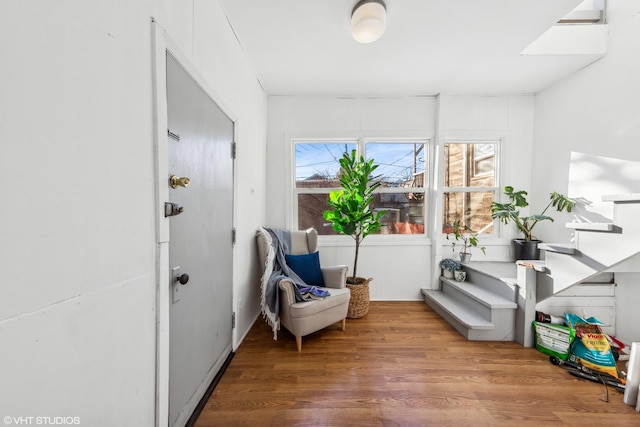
<point>297,191</point>
<point>495,188</point>
<point>361,143</point>
<point>477,159</point>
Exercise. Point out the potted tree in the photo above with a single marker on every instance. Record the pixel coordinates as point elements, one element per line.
<point>352,215</point>
<point>467,239</point>
<point>527,248</point>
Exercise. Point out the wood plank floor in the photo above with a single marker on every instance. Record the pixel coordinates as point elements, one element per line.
<point>401,365</point>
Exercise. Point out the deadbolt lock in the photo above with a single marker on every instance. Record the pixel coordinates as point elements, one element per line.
<point>177,181</point>
<point>172,209</point>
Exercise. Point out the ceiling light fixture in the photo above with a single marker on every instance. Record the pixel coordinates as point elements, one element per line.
<point>368,20</point>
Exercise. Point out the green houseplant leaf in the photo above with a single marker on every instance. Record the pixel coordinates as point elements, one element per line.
<point>462,233</point>
<point>506,212</point>
<point>351,212</point>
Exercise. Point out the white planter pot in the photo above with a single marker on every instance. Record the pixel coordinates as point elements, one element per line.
<point>447,274</point>
<point>460,276</point>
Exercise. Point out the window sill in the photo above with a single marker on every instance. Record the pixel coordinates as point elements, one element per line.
<point>376,240</point>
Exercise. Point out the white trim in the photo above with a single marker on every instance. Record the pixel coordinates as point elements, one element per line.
<point>436,206</point>
<point>379,135</point>
<point>290,197</point>
<point>374,240</point>
<point>163,294</point>
<point>479,135</point>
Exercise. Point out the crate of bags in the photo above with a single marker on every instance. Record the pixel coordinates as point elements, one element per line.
<point>553,339</point>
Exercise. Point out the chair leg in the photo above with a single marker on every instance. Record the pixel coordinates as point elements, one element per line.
<point>344,324</point>
<point>299,342</point>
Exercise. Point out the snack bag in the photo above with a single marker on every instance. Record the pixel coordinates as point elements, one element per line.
<point>591,347</point>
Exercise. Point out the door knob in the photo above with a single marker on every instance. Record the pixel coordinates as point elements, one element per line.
<point>183,279</point>
<point>178,181</point>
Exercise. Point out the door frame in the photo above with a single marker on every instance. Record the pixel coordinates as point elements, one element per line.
<point>161,45</point>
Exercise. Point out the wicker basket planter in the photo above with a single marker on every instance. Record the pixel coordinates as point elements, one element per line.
<point>359,302</point>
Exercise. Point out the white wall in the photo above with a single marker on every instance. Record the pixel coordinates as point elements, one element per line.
<point>332,117</point>
<point>595,112</point>
<point>400,265</point>
<point>508,119</point>
<point>77,319</point>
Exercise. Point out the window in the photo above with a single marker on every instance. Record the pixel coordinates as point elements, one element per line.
<point>317,170</point>
<point>402,193</point>
<point>469,185</point>
<point>484,158</point>
<point>401,171</point>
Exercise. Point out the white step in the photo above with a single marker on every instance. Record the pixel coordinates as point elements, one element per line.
<point>497,277</point>
<point>624,198</point>
<point>605,227</point>
<point>480,295</point>
<point>473,310</point>
<point>440,301</point>
<point>562,248</point>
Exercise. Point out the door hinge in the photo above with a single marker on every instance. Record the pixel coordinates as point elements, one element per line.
<point>233,150</point>
<point>173,135</point>
<point>233,236</point>
<point>233,320</point>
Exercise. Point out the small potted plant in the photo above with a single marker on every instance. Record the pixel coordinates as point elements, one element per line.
<point>465,237</point>
<point>449,267</point>
<point>527,248</point>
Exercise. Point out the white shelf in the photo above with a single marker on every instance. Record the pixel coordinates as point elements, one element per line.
<point>631,197</point>
<point>591,226</point>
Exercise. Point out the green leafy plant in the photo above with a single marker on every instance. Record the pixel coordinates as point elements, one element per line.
<point>462,233</point>
<point>351,212</point>
<point>506,212</point>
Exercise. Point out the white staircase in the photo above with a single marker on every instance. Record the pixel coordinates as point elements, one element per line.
<point>598,247</point>
<point>498,300</point>
<point>482,308</point>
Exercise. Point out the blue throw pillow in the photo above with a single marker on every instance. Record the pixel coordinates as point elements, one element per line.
<point>307,267</point>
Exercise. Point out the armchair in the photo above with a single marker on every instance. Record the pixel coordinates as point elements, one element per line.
<point>306,317</point>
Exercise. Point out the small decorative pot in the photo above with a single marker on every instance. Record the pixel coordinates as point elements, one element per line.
<point>447,273</point>
<point>460,276</point>
<point>465,257</point>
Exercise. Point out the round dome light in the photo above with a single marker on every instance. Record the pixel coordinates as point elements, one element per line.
<point>368,20</point>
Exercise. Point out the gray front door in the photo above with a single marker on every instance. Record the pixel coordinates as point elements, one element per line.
<point>200,243</point>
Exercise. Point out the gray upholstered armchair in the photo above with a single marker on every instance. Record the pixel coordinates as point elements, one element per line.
<point>304,318</point>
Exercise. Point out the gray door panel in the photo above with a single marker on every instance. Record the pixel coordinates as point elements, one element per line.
<point>200,239</point>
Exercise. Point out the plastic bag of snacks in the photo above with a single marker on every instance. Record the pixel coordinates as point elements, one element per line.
<point>591,347</point>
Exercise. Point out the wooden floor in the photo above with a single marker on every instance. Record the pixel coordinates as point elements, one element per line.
<point>401,365</point>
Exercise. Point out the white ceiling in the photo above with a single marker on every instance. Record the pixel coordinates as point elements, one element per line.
<point>304,47</point>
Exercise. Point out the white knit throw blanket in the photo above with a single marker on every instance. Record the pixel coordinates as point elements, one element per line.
<point>270,314</point>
